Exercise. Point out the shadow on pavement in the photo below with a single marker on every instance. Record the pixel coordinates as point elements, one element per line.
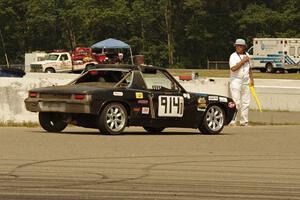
<point>132,133</point>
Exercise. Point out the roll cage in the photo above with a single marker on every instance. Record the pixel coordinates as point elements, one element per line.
<point>134,73</point>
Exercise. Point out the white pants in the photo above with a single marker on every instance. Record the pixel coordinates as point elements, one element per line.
<point>240,93</point>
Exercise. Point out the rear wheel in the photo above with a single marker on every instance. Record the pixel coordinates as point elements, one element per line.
<point>213,121</point>
<point>52,122</point>
<point>113,119</point>
<point>270,68</point>
<point>292,70</point>
<point>153,130</point>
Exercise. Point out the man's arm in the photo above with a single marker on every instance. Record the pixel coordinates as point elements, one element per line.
<point>240,64</point>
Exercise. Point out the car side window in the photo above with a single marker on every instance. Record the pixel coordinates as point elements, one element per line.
<point>158,81</point>
<point>64,57</point>
<point>292,51</point>
<point>103,77</point>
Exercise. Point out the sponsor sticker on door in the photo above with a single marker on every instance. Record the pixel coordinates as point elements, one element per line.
<point>145,110</point>
<point>139,95</point>
<point>118,94</point>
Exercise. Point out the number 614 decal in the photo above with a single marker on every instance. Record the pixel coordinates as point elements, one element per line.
<point>170,106</point>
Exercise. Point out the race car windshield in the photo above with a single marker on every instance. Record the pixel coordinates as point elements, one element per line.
<point>157,80</point>
<point>104,78</point>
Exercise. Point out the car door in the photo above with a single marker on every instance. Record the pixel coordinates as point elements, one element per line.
<point>172,106</point>
<point>65,61</point>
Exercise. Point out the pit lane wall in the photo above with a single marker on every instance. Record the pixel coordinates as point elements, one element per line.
<point>275,95</point>
<point>13,92</point>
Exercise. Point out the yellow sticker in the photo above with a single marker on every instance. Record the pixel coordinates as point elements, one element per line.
<point>201,100</point>
<point>139,95</point>
<point>202,103</point>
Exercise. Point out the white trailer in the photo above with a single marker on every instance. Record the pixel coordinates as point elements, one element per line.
<point>272,54</point>
<point>35,56</point>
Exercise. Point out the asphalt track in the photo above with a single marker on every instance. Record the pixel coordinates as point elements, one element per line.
<point>259,162</point>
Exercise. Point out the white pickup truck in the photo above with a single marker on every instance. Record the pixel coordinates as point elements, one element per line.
<point>60,62</point>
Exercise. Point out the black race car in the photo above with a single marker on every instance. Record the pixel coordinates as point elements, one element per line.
<point>110,98</point>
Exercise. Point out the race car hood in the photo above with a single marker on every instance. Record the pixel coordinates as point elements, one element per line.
<point>72,89</point>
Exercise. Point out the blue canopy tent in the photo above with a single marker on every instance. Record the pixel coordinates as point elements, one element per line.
<point>112,44</point>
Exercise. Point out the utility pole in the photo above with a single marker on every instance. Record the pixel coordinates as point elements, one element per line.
<point>170,36</point>
<point>4,49</point>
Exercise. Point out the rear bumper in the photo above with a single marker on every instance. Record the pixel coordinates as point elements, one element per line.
<point>37,105</point>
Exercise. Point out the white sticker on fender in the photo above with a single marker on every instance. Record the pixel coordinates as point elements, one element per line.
<point>223,99</point>
<point>186,95</point>
<point>170,106</point>
<point>213,98</point>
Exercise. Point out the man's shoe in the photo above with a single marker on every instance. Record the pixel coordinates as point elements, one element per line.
<point>244,124</point>
<point>233,124</point>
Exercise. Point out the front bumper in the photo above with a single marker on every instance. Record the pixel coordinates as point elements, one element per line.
<point>36,68</point>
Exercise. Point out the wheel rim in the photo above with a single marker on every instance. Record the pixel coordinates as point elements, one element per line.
<point>115,118</point>
<point>55,118</point>
<point>214,118</point>
<point>269,68</point>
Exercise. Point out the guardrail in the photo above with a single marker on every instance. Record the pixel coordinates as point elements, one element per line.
<point>212,64</point>
<point>14,66</point>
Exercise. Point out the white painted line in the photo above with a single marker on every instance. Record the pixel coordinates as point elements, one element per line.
<point>277,87</point>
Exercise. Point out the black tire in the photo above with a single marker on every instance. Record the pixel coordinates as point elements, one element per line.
<point>52,122</point>
<point>153,130</point>
<point>270,68</point>
<point>263,70</point>
<point>292,70</point>
<point>49,70</point>
<point>110,117</point>
<point>206,126</point>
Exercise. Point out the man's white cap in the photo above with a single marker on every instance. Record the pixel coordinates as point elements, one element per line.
<point>240,42</point>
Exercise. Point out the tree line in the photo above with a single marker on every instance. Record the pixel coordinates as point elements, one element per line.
<point>169,33</point>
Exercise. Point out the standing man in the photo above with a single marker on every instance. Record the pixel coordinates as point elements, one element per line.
<point>240,78</point>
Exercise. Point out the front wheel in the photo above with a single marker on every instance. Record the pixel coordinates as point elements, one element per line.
<point>213,121</point>
<point>113,119</point>
<point>49,70</point>
<point>52,122</point>
<point>153,130</point>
